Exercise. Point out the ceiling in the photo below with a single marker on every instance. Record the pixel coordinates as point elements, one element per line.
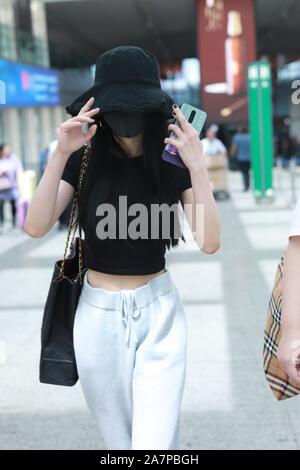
<point>278,26</point>
<point>80,30</point>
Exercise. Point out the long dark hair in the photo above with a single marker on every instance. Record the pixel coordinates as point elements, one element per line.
<point>161,178</point>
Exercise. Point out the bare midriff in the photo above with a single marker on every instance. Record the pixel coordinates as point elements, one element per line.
<point>115,282</point>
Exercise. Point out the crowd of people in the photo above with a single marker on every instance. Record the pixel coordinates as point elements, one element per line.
<point>12,175</point>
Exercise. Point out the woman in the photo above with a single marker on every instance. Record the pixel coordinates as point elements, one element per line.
<point>130,326</point>
<point>10,165</point>
<point>289,346</point>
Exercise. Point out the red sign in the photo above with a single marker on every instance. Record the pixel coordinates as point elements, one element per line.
<point>226,44</point>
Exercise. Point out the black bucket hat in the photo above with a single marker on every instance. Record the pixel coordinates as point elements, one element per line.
<point>127,79</point>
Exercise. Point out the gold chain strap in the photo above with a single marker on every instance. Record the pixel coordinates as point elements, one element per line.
<point>74,220</point>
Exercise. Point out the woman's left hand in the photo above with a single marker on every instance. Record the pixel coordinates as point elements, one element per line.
<point>187,142</point>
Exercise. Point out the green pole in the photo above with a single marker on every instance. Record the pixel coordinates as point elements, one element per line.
<point>261,128</point>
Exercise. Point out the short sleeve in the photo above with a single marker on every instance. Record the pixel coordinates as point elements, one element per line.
<point>294,228</point>
<point>221,147</point>
<point>184,179</point>
<point>72,168</point>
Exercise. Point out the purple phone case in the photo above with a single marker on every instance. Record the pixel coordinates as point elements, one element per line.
<point>170,153</point>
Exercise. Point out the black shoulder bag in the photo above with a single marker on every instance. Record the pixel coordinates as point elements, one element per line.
<point>57,360</point>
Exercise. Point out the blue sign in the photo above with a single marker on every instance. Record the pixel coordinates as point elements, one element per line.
<point>26,85</point>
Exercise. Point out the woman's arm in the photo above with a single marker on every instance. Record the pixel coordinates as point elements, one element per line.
<point>204,217</point>
<point>290,286</point>
<point>289,347</point>
<point>52,195</point>
<point>50,198</point>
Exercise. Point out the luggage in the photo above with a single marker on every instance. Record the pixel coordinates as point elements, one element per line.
<point>217,171</point>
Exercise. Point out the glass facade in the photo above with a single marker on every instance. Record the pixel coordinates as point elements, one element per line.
<point>32,41</point>
<point>39,131</point>
<point>7,30</point>
<point>26,82</point>
<point>39,32</point>
<point>24,138</point>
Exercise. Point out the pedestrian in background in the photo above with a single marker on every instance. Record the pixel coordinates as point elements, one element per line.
<point>240,149</point>
<point>211,144</point>
<point>285,146</point>
<point>45,155</point>
<point>10,165</point>
<point>215,154</point>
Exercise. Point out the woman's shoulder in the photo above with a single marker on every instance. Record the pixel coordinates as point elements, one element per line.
<point>180,176</point>
<point>294,228</point>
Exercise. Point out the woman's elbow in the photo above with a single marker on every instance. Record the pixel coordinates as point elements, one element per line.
<point>33,231</point>
<point>211,249</point>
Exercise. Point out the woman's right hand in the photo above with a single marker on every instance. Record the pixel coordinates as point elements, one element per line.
<point>288,354</point>
<point>70,136</point>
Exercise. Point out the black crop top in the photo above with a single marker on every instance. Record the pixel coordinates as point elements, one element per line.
<point>121,255</point>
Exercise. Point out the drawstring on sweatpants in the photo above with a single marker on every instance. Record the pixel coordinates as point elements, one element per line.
<point>128,313</point>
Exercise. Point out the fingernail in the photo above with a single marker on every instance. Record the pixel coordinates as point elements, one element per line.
<point>174,106</point>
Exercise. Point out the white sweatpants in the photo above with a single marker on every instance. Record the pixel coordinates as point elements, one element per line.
<point>130,348</point>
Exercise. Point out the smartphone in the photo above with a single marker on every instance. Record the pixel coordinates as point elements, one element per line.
<point>196,117</point>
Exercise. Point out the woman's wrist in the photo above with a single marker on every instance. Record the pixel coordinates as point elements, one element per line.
<point>198,170</point>
<point>60,155</point>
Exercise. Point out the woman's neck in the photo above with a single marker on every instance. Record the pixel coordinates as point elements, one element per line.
<point>133,146</point>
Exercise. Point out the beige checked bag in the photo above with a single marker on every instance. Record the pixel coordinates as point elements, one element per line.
<point>280,384</point>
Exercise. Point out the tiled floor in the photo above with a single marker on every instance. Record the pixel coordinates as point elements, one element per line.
<point>227,404</point>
